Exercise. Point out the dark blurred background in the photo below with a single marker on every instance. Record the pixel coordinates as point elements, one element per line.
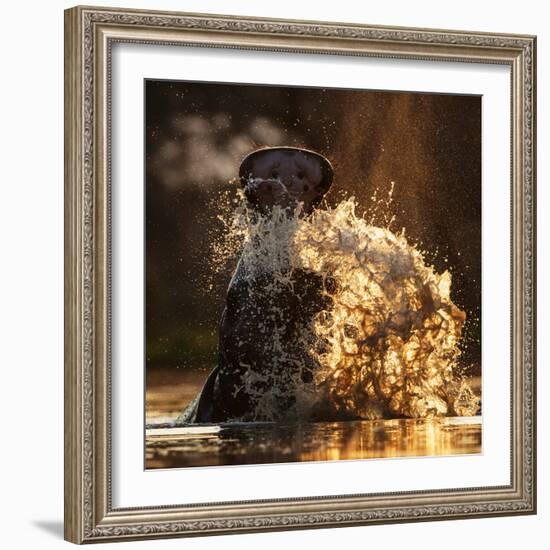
<point>429,145</point>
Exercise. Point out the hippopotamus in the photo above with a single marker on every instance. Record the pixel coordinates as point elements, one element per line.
<point>259,346</point>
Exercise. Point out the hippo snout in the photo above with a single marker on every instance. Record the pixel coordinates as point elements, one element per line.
<point>267,193</point>
<point>265,187</point>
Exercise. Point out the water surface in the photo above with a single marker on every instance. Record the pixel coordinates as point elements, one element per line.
<point>264,443</point>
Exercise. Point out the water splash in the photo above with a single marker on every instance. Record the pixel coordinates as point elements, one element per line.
<point>384,344</point>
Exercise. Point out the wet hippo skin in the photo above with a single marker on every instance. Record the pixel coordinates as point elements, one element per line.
<point>253,311</point>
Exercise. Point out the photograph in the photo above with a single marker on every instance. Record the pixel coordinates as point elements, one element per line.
<point>312,274</point>
<point>300,272</point>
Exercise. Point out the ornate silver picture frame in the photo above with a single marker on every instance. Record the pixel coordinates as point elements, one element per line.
<point>90,35</point>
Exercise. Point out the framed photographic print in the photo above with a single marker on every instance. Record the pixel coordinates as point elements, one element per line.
<point>300,281</point>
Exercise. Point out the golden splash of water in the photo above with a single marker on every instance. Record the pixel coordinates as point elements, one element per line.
<point>388,345</point>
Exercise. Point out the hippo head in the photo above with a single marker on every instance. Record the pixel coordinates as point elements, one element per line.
<point>285,176</point>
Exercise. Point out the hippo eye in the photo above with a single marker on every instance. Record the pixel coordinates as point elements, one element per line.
<point>300,175</point>
<point>274,174</point>
<point>306,187</point>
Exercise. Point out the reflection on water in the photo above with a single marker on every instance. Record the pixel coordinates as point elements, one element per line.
<point>168,391</point>
<point>261,443</point>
